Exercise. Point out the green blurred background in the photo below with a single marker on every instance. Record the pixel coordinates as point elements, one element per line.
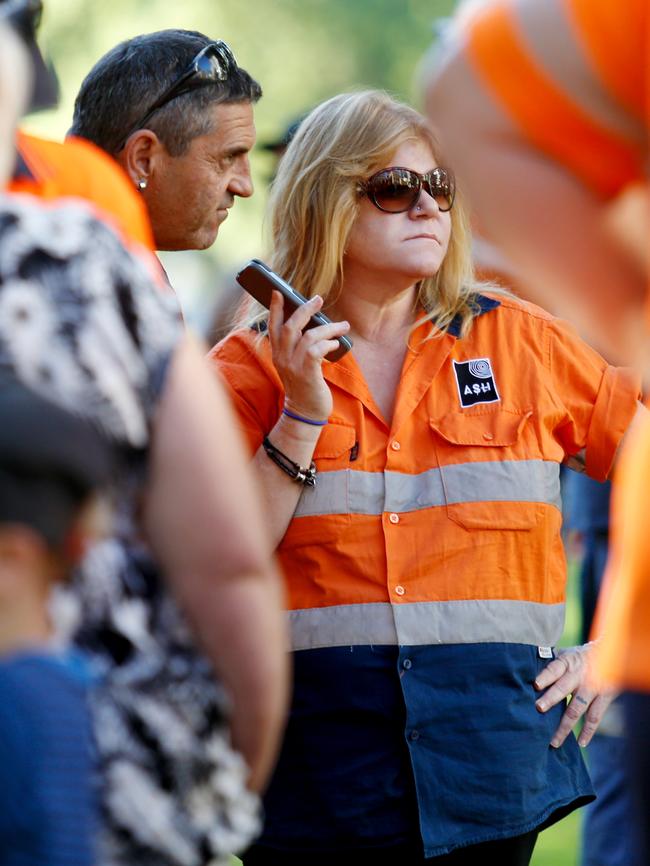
<point>302,51</point>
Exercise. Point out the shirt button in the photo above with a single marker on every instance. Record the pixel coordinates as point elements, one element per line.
<point>400,590</point>
<point>414,735</point>
<point>407,664</point>
<point>395,445</point>
<point>394,518</point>
<point>488,436</point>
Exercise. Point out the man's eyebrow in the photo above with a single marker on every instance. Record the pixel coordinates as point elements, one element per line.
<point>235,150</point>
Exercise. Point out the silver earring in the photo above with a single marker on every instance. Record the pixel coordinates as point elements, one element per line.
<point>142,184</point>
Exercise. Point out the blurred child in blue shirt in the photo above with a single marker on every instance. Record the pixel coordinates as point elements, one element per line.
<point>52,464</point>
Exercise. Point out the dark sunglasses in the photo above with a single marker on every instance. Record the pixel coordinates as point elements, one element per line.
<point>215,62</point>
<point>397,189</point>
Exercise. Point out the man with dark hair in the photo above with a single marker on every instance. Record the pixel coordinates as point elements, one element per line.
<point>176,112</point>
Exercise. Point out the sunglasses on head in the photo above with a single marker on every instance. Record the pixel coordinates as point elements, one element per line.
<point>214,63</point>
<point>397,189</point>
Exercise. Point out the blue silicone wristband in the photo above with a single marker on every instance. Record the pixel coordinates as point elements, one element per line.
<point>295,417</point>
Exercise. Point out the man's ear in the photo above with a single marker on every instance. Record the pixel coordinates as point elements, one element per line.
<point>140,155</point>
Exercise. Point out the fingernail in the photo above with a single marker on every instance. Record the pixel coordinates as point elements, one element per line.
<point>582,742</point>
<point>555,744</point>
<point>537,685</point>
<point>541,706</point>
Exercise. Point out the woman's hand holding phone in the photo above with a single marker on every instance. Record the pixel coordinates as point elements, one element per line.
<point>298,356</point>
<point>260,281</point>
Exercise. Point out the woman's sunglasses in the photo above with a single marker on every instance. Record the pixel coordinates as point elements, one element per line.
<point>212,64</point>
<point>397,189</point>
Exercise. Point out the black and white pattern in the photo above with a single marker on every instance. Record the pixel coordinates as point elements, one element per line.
<point>82,322</point>
<point>174,787</point>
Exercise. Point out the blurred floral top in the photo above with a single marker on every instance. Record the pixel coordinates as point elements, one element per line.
<point>83,321</point>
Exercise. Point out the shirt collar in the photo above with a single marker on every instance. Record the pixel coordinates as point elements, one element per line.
<point>480,304</point>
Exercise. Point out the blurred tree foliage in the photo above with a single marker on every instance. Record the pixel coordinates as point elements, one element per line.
<point>302,51</point>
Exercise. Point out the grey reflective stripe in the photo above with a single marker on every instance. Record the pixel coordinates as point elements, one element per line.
<point>342,625</point>
<point>427,622</point>
<point>505,481</point>
<point>479,621</point>
<point>343,491</point>
<point>350,491</point>
<point>551,37</point>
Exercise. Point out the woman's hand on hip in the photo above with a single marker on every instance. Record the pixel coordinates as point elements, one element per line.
<point>298,356</point>
<point>567,675</point>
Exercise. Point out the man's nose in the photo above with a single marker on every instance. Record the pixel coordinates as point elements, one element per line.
<point>241,183</point>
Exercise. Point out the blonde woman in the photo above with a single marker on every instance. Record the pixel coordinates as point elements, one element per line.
<point>412,489</point>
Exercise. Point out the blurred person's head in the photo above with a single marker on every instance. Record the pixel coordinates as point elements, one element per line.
<point>318,201</point>
<point>24,18</point>
<point>277,146</point>
<point>15,84</point>
<point>53,466</point>
<point>52,463</point>
<point>176,111</point>
<point>490,264</point>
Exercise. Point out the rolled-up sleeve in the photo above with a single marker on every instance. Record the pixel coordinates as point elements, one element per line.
<point>615,406</point>
<point>252,382</point>
<point>598,400</point>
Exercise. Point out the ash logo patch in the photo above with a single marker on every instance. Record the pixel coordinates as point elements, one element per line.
<point>475,381</point>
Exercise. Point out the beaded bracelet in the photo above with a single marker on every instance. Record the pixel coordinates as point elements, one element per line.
<point>294,470</point>
<point>304,420</point>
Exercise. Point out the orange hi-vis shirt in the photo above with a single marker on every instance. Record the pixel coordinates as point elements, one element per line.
<point>573,76</point>
<point>76,168</point>
<point>623,614</point>
<point>443,527</point>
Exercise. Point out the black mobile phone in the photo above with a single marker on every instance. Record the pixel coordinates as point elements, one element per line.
<point>259,281</point>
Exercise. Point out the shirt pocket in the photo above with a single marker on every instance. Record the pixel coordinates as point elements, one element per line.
<point>323,511</point>
<point>486,483</point>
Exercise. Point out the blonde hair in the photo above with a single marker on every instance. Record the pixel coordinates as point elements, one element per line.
<point>315,198</point>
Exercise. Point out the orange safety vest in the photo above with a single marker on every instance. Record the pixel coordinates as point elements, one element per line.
<point>75,167</point>
<point>443,527</point>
